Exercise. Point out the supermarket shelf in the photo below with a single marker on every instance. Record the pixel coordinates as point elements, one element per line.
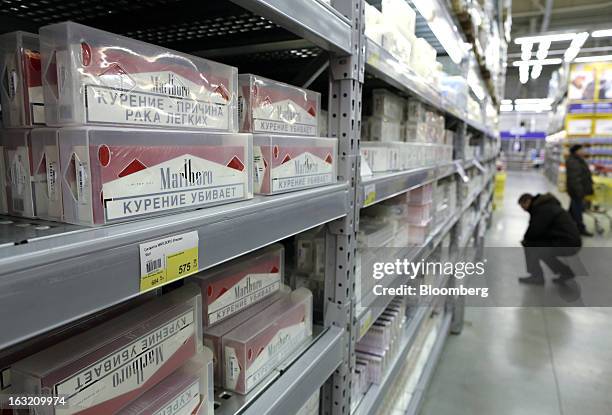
<point>375,395</point>
<point>372,306</point>
<point>430,366</point>
<point>312,20</point>
<point>98,267</point>
<point>285,391</point>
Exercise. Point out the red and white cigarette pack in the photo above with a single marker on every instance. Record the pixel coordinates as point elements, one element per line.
<point>46,168</point>
<point>112,174</point>
<point>187,391</point>
<point>213,335</point>
<point>104,369</point>
<point>272,107</point>
<point>230,288</point>
<point>95,77</point>
<point>289,163</point>
<point>254,349</point>
<point>18,161</point>
<point>21,91</point>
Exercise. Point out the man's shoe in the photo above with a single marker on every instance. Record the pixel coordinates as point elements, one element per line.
<point>532,280</point>
<point>562,279</point>
<point>586,233</point>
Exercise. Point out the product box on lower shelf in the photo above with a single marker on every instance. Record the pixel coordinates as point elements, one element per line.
<point>112,174</point>
<point>95,77</point>
<point>232,287</point>
<point>46,168</point>
<point>104,369</point>
<point>420,195</point>
<point>272,107</point>
<point>189,390</point>
<point>21,91</point>
<point>418,233</point>
<point>381,157</point>
<point>289,163</point>
<point>17,145</point>
<point>255,348</point>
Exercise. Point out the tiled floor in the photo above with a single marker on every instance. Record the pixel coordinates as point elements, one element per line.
<point>523,361</point>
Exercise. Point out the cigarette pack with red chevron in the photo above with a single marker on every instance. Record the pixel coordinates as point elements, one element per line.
<point>288,163</point>
<point>46,184</point>
<point>18,161</point>
<point>21,92</point>
<point>232,287</point>
<point>254,349</point>
<point>112,174</point>
<point>188,391</point>
<point>271,107</point>
<point>95,77</point>
<point>104,369</point>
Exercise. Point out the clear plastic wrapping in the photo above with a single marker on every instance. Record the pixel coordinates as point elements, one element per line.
<point>385,130</point>
<point>387,105</point>
<point>189,390</point>
<point>46,168</point>
<point>104,369</point>
<point>254,349</point>
<point>272,107</point>
<point>20,175</point>
<point>380,156</point>
<point>21,91</point>
<point>401,15</point>
<point>111,174</point>
<point>95,77</point>
<point>286,163</point>
<point>232,287</point>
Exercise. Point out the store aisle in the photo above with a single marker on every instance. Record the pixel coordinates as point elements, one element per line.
<point>511,360</point>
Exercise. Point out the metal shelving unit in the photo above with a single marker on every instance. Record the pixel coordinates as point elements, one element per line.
<point>54,273</point>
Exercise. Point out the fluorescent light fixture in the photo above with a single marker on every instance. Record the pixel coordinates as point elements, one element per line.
<point>600,58</point>
<point>532,108</point>
<point>542,50</point>
<point>445,31</point>
<point>602,33</point>
<point>536,71</point>
<point>574,48</point>
<point>524,74</point>
<point>526,51</point>
<point>550,38</point>
<point>506,107</point>
<point>531,101</point>
<point>550,61</point>
<point>506,101</point>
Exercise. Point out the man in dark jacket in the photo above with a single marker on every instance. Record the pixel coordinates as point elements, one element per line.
<point>551,234</point>
<point>579,185</point>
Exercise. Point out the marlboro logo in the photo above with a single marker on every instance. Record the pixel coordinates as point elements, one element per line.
<point>170,85</point>
<point>187,177</point>
<point>306,166</point>
<point>248,288</point>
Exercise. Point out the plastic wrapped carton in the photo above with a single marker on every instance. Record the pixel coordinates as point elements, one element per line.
<point>46,168</point>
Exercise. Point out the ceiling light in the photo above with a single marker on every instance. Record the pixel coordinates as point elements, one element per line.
<point>526,51</point>
<point>524,74</point>
<point>574,47</point>
<point>602,33</point>
<point>506,107</point>
<point>551,38</point>
<point>551,61</point>
<point>506,101</point>
<point>529,101</point>
<point>536,71</point>
<point>599,58</point>
<point>542,50</point>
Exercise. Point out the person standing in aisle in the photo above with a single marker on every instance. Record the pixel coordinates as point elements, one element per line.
<point>552,233</point>
<point>579,185</point>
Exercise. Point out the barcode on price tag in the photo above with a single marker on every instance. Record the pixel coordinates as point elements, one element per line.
<point>165,260</point>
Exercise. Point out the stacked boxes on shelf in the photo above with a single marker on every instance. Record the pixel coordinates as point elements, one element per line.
<point>113,365</point>
<point>289,153</point>
<point>138,130</point>
<point>376,350</point>
<point>420,211</point>
<point>309,272</point>
<point>444,199</point>
<point>252,322</point>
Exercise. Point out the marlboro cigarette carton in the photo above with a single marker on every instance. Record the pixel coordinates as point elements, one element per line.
<point>271,107</point>
<point>46,183</point>
<point>95,77</point>
<point>232,287</point>
<point>117,174</point>
<point>254,349</point>
<point>18,161</point>
<point>285,163</point>
<point>104,369</point>
<point>21,92</point>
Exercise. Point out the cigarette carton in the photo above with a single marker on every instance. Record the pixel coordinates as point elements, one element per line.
<point>18,161</point>
<point>95,77</point>
<point>230,288</point>
<point>285,163</point>
<point>272,107</point>
<point>104,369</point>
<point>116,174</point>
<point>189,390</point>
<point>21,92</point>
<point>46,183</point>
<point>255,348</point>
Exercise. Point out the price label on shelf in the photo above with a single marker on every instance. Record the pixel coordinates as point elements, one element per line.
<point>370,194</point>
<point>365,323</point>
<point>165,260</point>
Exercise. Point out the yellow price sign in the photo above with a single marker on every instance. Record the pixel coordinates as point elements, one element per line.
<point>370,195</point>
<point>365,324</point>
<point>165,260</point>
